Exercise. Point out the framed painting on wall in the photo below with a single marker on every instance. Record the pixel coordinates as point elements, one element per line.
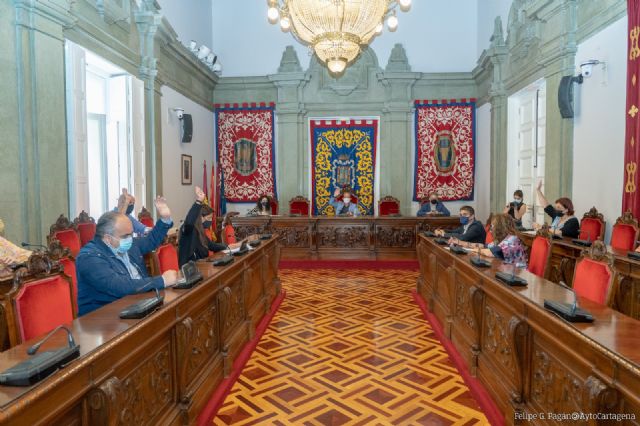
<point>187,162</point>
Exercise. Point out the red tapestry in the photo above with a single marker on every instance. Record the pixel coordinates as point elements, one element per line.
<point>445,149</point>
<point>630,195</point>
<point>245,145</point>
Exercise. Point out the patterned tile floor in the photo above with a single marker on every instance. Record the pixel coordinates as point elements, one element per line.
<point>349,347</point>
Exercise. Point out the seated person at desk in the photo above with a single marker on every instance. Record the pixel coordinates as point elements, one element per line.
<point>10,254</point>
<point>228,233</point>
<point>506,246</point>
<point>126,203</point>
<point>471,230</point>
<point>433,207</point>
<point>564,223</point>
<point>194,243</point>
<point>516,209</point>
<point>112,266</point>
<point>344,207</point>
<point>263,208</point>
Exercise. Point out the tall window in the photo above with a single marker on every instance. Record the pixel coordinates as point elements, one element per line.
<point>104,155</point>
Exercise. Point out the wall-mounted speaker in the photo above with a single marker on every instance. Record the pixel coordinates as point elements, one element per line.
<point>565,95</point>
<point>187,128</point>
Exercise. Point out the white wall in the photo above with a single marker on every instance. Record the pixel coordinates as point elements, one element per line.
<point>191,19</point>
<point>181,197</point>
<point>438,36</point>
<point>487,12</point>
<point>599,125</point>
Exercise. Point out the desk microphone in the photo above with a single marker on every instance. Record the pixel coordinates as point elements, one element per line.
<point>511,279</point>
<point>72,343</point>
<point>569,311</point>
<point>574,305</point>
<point>23,244</point>
<point>477,261</point>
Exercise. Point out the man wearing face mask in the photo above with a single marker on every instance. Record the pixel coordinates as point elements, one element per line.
<point>112,266</point>
<point>194,244</point>
<point>126,204</point>
<point>344,207</point>
<point>563,222</point>
<point>433,207</point>
<point>470,230</point>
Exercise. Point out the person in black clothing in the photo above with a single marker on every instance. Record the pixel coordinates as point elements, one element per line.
<point>194,243</point>
<point>471,230</point>
<point>564,223</point>
<point>517,208</point>
<point>263,207</point>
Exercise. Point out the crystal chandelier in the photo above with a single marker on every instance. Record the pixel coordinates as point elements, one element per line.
<point>336,30</point>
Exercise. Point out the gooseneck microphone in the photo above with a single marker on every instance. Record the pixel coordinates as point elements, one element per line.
<point>574,305</point>
<point>72,343</point>
<point>23,244</point>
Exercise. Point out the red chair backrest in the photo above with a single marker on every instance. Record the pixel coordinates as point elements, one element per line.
<point>42,305</point>
<point>69,266</point>
<point>167,258</point>
<point>69,238</point>
<point>147,221</point>
<point>388,208</point>
<point>229,235</point>
<point>299,207</point>
<point>274,206</point>
<point>590,229</point>
<point>87,231</point>
<point>539,256</point>
<point>623,237</point>
<point>592,280</point>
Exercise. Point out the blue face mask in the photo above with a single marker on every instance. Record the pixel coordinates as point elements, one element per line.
<point>463,220</point>
<point>125,245</point>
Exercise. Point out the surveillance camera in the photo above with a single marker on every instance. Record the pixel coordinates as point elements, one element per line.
<point>586,67</point>
<point>179,112</point>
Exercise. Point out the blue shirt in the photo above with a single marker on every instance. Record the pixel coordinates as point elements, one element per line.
<point>342,208</point>
<point>440,208</point>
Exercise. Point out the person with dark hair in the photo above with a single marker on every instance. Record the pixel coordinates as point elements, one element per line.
<point>563,222</point>
<point>506,245</point>
<point>516,208</point>
<point>194,244</point>
<point>470,230</point>
<point>263,207</point>
<point>433,207</point>
<point>344,207</point>
<point>112,266</point>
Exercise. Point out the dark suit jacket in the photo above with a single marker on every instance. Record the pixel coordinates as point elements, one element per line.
<point>475,233</point>
<point>189,246</point>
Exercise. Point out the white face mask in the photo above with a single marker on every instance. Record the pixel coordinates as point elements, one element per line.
<point>346,200</point>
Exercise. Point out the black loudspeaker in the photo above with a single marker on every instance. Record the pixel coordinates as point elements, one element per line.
<point>187,128</point>
<point>565,95</point>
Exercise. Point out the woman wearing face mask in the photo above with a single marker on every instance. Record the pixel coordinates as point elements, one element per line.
<point>517,208</point>
<point>564,223</point>
<point>194,243</point>
<point>264,206</point>
<point>433,207</point>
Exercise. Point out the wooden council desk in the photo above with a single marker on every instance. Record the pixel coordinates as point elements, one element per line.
<point>158,370</point>
<point>324,237</point>
<point>530,360</point>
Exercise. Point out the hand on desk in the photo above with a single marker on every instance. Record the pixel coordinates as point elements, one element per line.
<point>439,232</point>
<point>170,277</point>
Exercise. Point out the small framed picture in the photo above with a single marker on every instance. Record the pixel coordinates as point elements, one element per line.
<point>187,162</point>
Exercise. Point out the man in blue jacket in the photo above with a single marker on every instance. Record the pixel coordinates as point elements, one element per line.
<point>344,207</point>
<point>433,207</point>
<point>112,266</point>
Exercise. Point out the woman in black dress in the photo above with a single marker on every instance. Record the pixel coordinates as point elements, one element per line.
<point>563,223</point>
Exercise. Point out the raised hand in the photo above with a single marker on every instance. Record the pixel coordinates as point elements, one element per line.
<point>539,185</point>
<point>123,201</point>
<point>199,194</point>
<point>162,208</point>
<point>336,192</point>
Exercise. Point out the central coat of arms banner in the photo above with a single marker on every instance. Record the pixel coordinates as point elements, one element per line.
<point>445,149</point>
<point>245,147</point>
<point>343,155</point>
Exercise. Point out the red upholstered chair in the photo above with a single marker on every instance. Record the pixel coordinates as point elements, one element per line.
<point>592,225</point>
<point>274,205</point>
<point>167,258</point>
<point>594,275</point>
<point>41,305</point>
<point>145,217</point>
<point>299,205</point>
<point>389,206</point>
<point>65,232</point>
<point>625,232</point>
<point>86,226</point>
<point>540,255</point>
<point>69,269</point>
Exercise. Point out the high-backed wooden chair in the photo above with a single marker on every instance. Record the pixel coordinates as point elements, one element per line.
<point>625,232</point>
<point>86,226</point>
<point>299,205</point>
<point>389,206</point>
<point>41,299</point>
<point>594,274</point>
<point>166,258</point>
<point>145,217</point>
<point>66,232</point>
<point>540,254</point>
<point>274,205</point>
<point>592,225</point>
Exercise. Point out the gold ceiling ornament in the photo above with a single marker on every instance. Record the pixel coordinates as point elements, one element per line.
<point>336,30</point>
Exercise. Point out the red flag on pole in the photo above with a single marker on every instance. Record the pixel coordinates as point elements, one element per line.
<point>205,187</point>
